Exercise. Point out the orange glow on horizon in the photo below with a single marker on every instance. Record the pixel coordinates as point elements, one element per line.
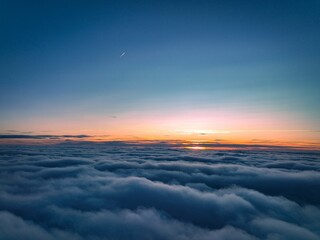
<point>206,125</point>
<point>190,141</point>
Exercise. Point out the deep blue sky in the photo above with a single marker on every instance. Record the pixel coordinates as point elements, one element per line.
<point>60,59</point>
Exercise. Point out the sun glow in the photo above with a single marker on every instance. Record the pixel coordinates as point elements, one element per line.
<point>196,147</point>
<point>202,131</point>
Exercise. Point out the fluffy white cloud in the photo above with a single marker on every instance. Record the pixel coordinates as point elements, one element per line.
<point>92,191</point>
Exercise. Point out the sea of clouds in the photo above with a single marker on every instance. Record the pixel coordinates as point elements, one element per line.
<point>157,191</point>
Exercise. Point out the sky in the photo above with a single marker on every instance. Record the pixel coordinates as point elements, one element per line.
<point>235,70</point>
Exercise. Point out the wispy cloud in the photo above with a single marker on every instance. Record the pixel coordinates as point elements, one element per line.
<point>202,131</point>
<point>26,136</point>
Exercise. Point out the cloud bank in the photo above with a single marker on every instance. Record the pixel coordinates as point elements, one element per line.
<point>125,191</point>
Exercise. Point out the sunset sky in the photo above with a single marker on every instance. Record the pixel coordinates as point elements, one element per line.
<point>159,119</point>
<point>203,70</point>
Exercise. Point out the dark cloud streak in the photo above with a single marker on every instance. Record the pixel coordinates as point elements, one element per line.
<point>25,136</point>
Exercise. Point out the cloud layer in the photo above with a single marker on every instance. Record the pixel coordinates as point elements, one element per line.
<point>154,191</point>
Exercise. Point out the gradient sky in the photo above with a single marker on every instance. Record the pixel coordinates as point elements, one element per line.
<point>169,68</point>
